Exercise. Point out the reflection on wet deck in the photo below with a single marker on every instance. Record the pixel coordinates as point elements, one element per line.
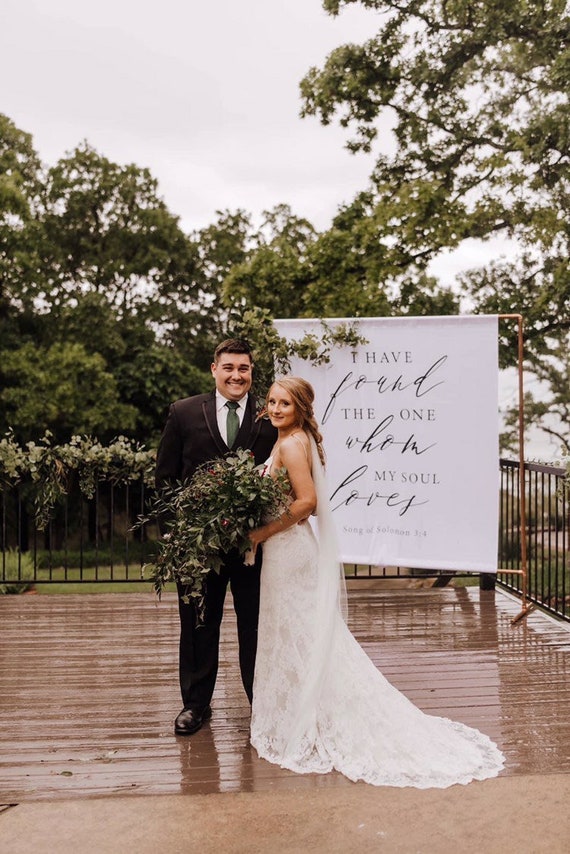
<point>88,690</point>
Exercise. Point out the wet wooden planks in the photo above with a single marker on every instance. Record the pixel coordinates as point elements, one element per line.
<point>88,690</point>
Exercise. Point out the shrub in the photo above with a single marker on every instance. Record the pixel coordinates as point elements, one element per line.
<point>16,572</point>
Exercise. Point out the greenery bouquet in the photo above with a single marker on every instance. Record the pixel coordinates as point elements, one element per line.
<point>210,516</point>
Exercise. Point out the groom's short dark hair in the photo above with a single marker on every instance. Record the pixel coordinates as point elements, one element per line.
<point>233,345</point>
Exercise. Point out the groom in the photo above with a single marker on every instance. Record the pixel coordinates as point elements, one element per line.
<point>199,429</point>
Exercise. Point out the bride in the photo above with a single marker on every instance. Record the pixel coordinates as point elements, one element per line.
<point>319,703</point>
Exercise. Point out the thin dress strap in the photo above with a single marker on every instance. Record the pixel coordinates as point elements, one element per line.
<point>295,436</point>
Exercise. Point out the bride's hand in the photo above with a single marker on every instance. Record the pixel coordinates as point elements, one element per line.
<point>254,539</point>
<point>249,557</point>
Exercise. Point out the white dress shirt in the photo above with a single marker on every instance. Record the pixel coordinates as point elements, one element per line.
<point>222,413</point>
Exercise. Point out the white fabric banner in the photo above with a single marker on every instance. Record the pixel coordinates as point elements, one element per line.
<point>410,424</point>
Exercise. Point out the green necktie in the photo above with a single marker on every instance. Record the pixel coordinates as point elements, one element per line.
<point>232,422</point>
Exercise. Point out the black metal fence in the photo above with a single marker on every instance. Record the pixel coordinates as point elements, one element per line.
<point>548,536</point>
<point>95,540</point>
<point>92,540</point>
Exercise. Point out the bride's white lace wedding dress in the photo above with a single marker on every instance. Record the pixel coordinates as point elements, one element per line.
<point>319,703</point>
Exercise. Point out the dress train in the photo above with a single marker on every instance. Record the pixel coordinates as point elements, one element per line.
<point>354,721</point>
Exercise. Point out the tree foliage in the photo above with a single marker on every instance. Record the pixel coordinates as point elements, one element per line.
<point>274,273</point>
<point>62,388</point>
<point>348,270</point>
<point>546,400</point>
<point>96,277</point>
<point>19,186</point>
<point>475,96</point>
<point>105,230</point>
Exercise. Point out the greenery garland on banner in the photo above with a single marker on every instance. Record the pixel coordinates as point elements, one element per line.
<point>272,352</point>
<point>51,466</point>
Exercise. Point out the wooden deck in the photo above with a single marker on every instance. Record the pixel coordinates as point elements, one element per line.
<point>88,690</point>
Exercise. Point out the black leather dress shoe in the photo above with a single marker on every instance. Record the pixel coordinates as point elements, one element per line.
<point>189,721</point>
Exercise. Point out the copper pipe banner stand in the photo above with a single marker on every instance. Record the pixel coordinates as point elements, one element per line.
<point>526,605</point>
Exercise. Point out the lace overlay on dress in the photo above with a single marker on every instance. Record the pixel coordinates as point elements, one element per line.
<point>359,724</point>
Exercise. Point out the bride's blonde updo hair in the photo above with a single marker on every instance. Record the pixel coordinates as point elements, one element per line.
<point>303,396</point>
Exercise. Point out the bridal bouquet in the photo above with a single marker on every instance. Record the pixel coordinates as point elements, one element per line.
<point>210,516</point>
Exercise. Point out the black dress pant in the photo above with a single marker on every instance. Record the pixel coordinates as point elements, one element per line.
<point>199,644</point>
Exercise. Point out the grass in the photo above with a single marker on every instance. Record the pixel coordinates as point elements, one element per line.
<point>101,579</point>
<point>16,572</point>
<point>465,581</point>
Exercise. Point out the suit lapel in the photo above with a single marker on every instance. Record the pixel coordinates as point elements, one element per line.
<point>248,431</point>
<point>209,411</point>
<point>250,427</point>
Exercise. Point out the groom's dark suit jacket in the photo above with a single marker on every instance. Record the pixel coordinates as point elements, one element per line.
<point>191,437</point>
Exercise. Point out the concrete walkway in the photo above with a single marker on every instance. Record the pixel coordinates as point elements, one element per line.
<point>527,815</point>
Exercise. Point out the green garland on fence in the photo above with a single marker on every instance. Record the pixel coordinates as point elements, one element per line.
<point>50,467</point>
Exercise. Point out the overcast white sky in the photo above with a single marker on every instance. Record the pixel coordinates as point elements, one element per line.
<point>205,94</point>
